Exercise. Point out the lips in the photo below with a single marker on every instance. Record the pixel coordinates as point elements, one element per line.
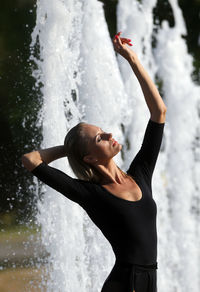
<point>114,143</point>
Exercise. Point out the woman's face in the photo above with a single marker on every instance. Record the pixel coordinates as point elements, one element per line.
<point>101,146</point>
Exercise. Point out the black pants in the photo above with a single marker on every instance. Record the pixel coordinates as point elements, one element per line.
<point>126,277</point>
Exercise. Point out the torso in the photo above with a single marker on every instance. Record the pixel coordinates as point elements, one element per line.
<point>127,191</point>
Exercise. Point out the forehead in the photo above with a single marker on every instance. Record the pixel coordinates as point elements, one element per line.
<point>91,130</point>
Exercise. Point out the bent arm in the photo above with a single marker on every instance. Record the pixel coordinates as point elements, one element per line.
<point>37,163</point>
<point>32,159</point>
<point>145,160</point>
<point>153,99</point>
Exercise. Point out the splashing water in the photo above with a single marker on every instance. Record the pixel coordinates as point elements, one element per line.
<point>83,81</point>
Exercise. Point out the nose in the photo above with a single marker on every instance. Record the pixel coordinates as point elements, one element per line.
<point>109,135</point>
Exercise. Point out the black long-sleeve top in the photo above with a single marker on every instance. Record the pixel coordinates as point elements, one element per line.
<point>129,226</point>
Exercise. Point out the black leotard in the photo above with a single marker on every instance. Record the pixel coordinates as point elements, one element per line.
<point>129,226</point>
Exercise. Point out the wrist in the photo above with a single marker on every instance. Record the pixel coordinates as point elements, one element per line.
<point>132,58</point>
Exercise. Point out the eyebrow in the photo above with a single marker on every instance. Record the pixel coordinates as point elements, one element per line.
<point>98,134</point>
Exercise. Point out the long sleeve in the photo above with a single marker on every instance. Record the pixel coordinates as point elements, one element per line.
<point>145,160</point>
<point>74,189</point>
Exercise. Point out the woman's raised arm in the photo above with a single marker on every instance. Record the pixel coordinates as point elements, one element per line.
<point>32,159</point>
<point>153,99</point>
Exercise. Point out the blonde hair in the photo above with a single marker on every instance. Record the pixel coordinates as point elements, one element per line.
<point>76,146</point>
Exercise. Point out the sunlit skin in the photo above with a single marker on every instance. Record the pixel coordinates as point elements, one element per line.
<point>100,147</point>
<point>101,151</point>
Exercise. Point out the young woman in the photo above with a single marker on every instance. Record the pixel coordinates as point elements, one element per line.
<point>119,203</point>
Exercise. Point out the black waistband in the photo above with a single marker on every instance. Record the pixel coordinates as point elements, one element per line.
<point>140,266</point>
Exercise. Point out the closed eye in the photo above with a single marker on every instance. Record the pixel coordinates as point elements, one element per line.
<point>99,136</point>
<point>99,139</point>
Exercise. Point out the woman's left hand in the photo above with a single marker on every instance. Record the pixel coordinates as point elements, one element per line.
<point>120,46</point>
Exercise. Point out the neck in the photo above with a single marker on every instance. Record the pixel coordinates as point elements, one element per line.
<point>110,173</point>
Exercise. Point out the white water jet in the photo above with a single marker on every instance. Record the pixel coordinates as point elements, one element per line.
<point>175,183</point>
<point>81,81</point>
<point>62,221</point>
<point>105,104</point>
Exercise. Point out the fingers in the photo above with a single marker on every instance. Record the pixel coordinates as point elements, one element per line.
<point>121,41</point>
<point>118,34</point>
<point>126,41</point>
<point>116,37</point>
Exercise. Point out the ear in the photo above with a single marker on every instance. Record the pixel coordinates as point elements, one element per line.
<point>89,159</point>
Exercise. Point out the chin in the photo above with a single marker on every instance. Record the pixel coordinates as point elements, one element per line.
<point>119,148</point>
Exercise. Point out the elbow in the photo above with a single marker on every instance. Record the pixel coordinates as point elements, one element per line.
<point>26,160</point>
<point>164,110</point>
<point>30,160</point>
<point>159,116</point>
<point>160,111</point>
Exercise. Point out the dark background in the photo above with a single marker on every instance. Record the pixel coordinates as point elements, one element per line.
<point>20,99</point>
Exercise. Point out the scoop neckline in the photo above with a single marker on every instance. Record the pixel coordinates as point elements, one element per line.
<point>115,196</point>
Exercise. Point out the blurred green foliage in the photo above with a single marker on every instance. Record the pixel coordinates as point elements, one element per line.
<point>191,13</point>
<point>20,99</point>
<point>19,102</point>
<point>110,7</point>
